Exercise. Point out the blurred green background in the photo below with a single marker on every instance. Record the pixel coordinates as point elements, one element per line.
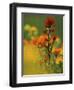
<point>38,21</point>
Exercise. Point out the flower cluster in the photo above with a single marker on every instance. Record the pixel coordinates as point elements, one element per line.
<point>49,21</point>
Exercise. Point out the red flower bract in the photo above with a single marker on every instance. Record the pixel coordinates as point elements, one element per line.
<point>49,21</point>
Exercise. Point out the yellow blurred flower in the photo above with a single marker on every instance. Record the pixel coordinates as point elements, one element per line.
<point>33,29</point>
<point>30,29</point>
<point>27,27</point>
<point>59,59</point>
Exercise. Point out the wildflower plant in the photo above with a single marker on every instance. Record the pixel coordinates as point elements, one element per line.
<point>48,45</point>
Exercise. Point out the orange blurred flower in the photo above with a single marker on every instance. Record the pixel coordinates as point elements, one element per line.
<point>42,39</point>
<point>56,50</point>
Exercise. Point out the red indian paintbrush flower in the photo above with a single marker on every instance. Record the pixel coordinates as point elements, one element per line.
<point>49,21</point>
